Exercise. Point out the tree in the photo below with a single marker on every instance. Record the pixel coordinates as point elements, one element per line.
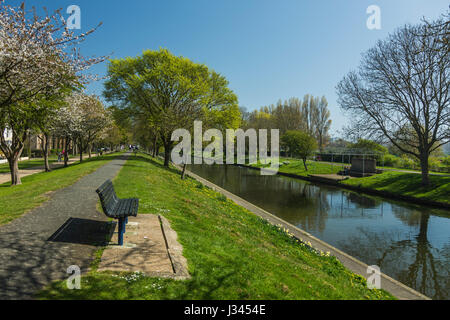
<point>310,115</point>
<point>93,119</point>
<point>45,114</point>
<point>38,57</point>
<point>322,122</point>
<point>401,91</point>
<point>309,110</point>
<point>67,123</point>
<point>171,91</point>
<point>368,146</point>
<point>300,143</point>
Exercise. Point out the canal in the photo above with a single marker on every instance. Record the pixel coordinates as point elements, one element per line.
<point>410,243</point>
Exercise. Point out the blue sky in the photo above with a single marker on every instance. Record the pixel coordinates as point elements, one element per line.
<point>267,49</point>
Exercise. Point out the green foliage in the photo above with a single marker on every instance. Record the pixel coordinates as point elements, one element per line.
<point>446,161</point>
<point>390,160</point>
<point>408,163</point>
<point>164,92</point>
<point>434,163</point>
<point>299,143</point>
<point>369,146</point>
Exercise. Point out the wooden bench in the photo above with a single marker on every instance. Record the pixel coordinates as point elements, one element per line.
<point>119,209</point>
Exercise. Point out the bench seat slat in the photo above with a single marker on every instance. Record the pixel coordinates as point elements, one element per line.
<point>114,207</point>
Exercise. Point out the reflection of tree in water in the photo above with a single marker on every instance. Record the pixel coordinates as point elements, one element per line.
<point>298,202</point>
<point>362,201</point>
<point>311,207</point>
<point>412,260</point>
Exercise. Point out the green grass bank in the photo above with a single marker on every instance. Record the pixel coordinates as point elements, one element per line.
<point>231,253</point>
<point>394,183</point>
<point>406,184</point>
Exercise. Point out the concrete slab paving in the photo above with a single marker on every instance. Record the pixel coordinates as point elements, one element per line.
<point>146,249</point>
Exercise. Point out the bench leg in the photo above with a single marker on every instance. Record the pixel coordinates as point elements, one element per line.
<point>121,231</point>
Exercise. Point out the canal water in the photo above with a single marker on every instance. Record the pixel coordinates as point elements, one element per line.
<point>410,243</point>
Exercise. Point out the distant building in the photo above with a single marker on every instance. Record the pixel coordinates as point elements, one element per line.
<point>8,136</point>
<point>54,143</point>
<point>34,143</point>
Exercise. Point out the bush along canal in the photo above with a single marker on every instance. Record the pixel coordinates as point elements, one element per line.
<point>410,243</point>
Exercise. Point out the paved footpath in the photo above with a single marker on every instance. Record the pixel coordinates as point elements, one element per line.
<point>38,247</point>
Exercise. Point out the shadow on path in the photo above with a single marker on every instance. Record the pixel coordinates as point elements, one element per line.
<point>38,247</point>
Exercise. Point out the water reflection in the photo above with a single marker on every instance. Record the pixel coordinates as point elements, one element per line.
<point>409,243</point>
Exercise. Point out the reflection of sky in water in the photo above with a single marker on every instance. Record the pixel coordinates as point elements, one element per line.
<point>406,241</point>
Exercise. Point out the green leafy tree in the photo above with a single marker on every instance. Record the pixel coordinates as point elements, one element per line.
<point>171,91</point>
<point>299,143</point>
<point>369,146</point>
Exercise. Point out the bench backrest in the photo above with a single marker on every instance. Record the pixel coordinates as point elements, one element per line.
<point>108,197</point>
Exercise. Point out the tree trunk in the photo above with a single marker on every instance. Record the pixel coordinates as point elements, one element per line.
<point>80,146</point>
<point>90,151</point>
<point>155,146</point>
<point>74,147</point>
<point>45,152</point>
<point>183,173</point>
<point>304,163</point>
<point>66,154</point>
<point>28,147</point>
<point>14,168</point>
<point>166,155</point>
<point>424,167</point>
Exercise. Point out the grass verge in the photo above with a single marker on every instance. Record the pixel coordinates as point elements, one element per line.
<point>406,184</point>
<point>26,164</point>
<point>15,201</point>
<point>295,166</point>
<point>231,253</point>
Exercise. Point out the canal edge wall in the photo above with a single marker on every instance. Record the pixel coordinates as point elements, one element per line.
<point>389,284</point>
<point>373,192</point>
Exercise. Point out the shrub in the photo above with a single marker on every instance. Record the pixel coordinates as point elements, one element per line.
<point>446,161</point>
<point>390,160</point>
<point>434,163</point>
<point>407,163</point>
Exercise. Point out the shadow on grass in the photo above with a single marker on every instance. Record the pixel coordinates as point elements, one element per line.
<point>153,161</point>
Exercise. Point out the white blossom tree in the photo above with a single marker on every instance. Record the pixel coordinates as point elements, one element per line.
<point>39,56</point>
<point>67,124</point>
<point>82,120</point>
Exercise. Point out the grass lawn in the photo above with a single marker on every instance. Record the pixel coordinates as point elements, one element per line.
<point>15,201</point>
<point>231,253</point>
<point>4,167</point>
<point>408,184</point>
<point>296,166</point>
